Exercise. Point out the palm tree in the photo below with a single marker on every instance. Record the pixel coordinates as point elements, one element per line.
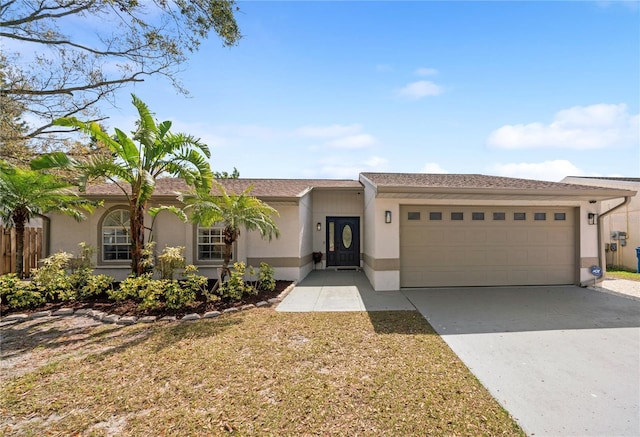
<point>25,194</point>
<point>134,168</point>
<point>234,211</point>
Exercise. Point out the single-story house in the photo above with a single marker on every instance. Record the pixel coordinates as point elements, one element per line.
<point>403,230</point>
<point>621,227</point>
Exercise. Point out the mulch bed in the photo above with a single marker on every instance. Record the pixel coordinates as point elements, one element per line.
<point>130,307</point>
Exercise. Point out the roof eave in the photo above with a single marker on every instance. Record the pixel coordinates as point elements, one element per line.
<point>501,193</point>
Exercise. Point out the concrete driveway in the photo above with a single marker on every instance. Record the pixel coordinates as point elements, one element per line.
<point>562,360</point>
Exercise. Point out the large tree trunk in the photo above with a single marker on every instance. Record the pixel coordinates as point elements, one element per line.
<point>19,220</point>
<point>137,238</point>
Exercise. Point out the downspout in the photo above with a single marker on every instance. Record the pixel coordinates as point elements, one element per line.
<point>627,199</point>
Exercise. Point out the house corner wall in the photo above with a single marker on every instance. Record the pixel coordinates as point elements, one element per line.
<point>382,241</point>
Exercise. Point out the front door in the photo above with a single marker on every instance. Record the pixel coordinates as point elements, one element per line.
<point>343,241</point>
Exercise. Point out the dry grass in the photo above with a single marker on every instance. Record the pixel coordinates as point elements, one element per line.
<point>256,373</point>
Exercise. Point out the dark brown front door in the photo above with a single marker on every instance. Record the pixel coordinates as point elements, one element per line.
<point>343,241</point>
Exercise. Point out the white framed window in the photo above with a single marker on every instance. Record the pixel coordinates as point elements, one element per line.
<point>116,241</point>
<point>210,243</point>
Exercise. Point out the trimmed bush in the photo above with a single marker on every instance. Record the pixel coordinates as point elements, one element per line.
<point>18,294</point>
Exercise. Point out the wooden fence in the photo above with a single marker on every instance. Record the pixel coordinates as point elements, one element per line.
<point>32,249</point>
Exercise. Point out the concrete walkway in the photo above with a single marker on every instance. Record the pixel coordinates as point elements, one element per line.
<point>343,290</point>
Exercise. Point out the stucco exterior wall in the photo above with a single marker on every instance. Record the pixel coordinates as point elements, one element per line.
<point>284,253</point>
<point>625,219</point>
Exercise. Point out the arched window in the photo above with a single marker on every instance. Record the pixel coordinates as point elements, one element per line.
<point>116,241</point>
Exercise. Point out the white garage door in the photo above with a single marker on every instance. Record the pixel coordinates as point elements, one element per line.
<point>476,246</point>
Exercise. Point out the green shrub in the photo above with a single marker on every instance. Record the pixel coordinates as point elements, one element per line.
<point>266,279</point>
<point>18,294</point>
<point>198,283</point>
<point>263,280</point>
<point>95,285</point>
<point>52,279</point>
<point>24,297</point>
<point>171,259</point>
<point>133,288</point>
<point>147,260</point>
<point>235,287</point>
<point>175,295</point>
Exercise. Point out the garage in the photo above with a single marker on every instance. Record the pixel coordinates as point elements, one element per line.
<point>443,246</point>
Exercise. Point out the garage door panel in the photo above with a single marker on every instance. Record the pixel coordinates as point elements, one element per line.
<point>538,237</point>
<point>497,236</point>
<point>517,236</point>
<point>440,253</point>
<point>475,236</point>
<point>560,236</point>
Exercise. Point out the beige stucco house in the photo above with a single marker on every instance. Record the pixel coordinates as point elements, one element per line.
<point>403,230</point>
<point>620,227</point>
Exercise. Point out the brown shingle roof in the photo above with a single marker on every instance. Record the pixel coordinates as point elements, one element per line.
<point>283,188</point>
<point>387,182</point>
<point>465,181</point>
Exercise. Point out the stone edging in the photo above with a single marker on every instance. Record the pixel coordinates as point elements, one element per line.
<point>132,320</point>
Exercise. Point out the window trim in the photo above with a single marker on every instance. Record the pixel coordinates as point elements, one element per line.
<point>101,258</point>
<point>196,247</point>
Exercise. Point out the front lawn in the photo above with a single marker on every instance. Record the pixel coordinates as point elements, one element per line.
<point>257,372</point>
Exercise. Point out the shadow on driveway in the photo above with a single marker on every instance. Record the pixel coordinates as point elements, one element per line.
<point>516,309</point>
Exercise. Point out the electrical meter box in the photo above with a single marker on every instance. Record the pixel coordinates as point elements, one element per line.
<point>618,235</point>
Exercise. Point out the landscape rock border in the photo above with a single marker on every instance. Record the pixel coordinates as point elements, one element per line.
<point>132,320</point>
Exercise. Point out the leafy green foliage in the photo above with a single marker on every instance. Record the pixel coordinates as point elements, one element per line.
<point>134,287</point>
<point>263,279</point>
<point>198,283</point>
<point>25,194</point>
<point>52,279</point>
<point>152,151</point>
<point>235,286</point>
<point>175,295</point>
<point>235,174</point>
<point>171,259</point>
<point>18,294</point>
<point>95,285</point>
<point>235,211</point>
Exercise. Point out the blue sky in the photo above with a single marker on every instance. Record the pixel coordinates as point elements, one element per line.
<point>537,90</point>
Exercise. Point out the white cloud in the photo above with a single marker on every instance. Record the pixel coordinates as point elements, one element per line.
<point>359,141</point>
<point>384,67</point>
<point>554,170</point>
<point>422,71</point>
<point>580,127</point>
<point>376,162</point>
<point>433,168</point>
<point>418,90</point>
<point>334,130</point>
<point>343,167</point>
